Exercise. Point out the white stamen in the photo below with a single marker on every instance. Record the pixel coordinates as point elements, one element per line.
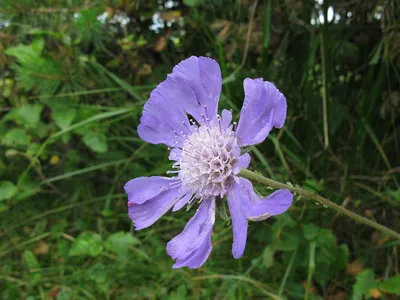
<point>207,160</point>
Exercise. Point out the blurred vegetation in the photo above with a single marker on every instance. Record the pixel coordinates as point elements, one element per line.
<point>73,79</point>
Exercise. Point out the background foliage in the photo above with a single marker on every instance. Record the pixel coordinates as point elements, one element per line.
<point>73,79</point>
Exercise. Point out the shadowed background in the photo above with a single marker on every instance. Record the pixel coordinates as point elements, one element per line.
<point>74,76</point>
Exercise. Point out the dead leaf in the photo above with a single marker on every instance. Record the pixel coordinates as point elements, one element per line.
<point>338,296</point>
<point>144,70</point>
<point>41,249</point>
<point>312,289</point>
<point>378,239</point>
<point>375,293</point>
<point>171,15</point>
<point>160,44</point>
<point>110,11</point>
<point>53,293</point>
<point>224,29</point>
<point>355,267</point>
<point>369,213</point>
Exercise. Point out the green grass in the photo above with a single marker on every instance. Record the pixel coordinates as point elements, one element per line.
<point>71,94</point>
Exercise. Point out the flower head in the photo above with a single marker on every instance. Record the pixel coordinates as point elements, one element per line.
<point>182,113</point>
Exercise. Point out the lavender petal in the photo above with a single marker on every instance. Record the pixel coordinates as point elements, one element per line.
<point>192,246</point>
<point>264,107</point>
<point>141,189</point>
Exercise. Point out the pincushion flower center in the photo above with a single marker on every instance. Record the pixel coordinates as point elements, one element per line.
<point>208,159</point>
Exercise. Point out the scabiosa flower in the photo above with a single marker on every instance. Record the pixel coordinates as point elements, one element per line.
<point>182,113</point>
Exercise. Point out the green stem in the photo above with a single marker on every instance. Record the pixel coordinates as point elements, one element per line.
<point>311,268</point>
<point>309,195</point>
<point>287,272</point>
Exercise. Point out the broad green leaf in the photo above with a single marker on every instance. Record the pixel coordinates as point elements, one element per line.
<point>38,45</point>
<point>287,242</point>
<point>98,273</point>
<point>30,114</point>
<point>365,282</point>
<point>327,247</point>
<point>62,113</point>
<point>66,294</point>
<point>96,141</point>
<point>87,244</point>
<point>286,236</point>
<point>34,267</point>
<point>24,54</point>
<point>310,231</point>
<point>16,137</point>
<point>391,285</point>
<point>283,220</point>
<point>120,242</point>
<point>32,149</point>
<point>268,257</point>
<point>7,190</point>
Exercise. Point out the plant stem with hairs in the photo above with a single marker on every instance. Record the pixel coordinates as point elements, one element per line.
<point>309,195</point>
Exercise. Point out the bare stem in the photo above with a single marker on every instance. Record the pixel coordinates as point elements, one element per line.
<point>309,195</point>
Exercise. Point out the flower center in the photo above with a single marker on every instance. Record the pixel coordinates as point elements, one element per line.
<point>208,158</point>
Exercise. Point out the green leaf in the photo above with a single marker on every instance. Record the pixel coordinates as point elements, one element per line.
<point>3,207</point>
<point>87,244</point>
<point>28,188</point>
<point>32,149</point>
<point>27,115</point>
<point>16,137</point>
<point>287,242</point>
<point>120,242</point>
<point>122,83</point>
<point>313,185</point>
<point>63,249</point>
<point>365,281</point>
<point>30,114</point>
<point>191,3</point>
<point>283,221</point>
<point>326,242</point>
<point>391,285</point>
<point>310,231</point>
<point>63,114</point>
<point>38,45</point>
<point>6,86</point>
<point>268,257</point>
<point>395,194</point>
<point>98,273</point>
<point>33,265</point>
<point>7,190</point>
<point>66,294</point>
<point>24,54</point>
<point>343,256</point>
<point>377,55</point>
<point>96,141</point>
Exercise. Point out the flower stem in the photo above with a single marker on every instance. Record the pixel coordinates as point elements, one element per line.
<point>309,195</point>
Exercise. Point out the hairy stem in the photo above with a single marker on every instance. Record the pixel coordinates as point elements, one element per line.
<point>309,195</point>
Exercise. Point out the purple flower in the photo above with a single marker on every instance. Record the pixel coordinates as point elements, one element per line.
<point>182,113</point>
